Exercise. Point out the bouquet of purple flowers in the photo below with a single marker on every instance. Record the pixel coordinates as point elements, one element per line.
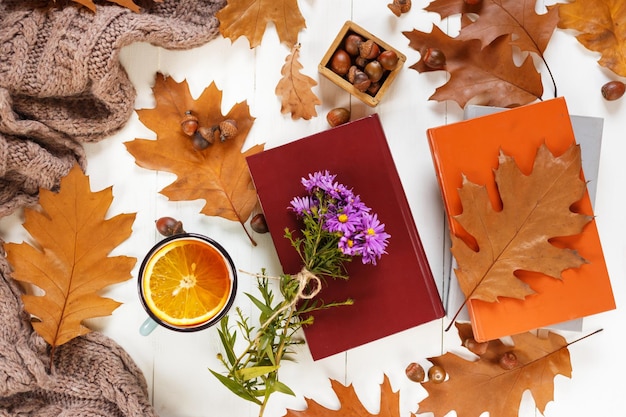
<point>337,226</point>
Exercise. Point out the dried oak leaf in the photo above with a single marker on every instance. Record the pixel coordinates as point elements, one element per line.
<point>218,174</point>
<point>601,28</point>
<point>294,89</point>
<point>488,75</point>
<point>473,387</point>
<point>535,209</point>
<point>71,263</point>
<point>350,404</point>
<point>489,19</point>
<point>249,18</point>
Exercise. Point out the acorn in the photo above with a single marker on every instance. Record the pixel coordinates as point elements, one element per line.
<point>388,59</point>
<point>208,133</point>
<point>400,6</point>
<point>228,129</point>
<point>361,81</point>
<point>508,361</point>
<point>369,49</point>
<point>436,374</point>
<point>613,90</point>
<point>415,372</point>
<point>198,142</point>
<point>340,62</point>
<point>189,124</point>
<point>374,87</point>
<point>434,58</point>
<point>374,71</point>
<point>352,43</point>
<point>352,73</point>
<point>478,348</point>
<point>338,116</point>
<point>168,226</point>
<point>258,223</point>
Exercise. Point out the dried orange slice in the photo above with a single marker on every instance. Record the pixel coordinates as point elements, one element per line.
<point>186,282</point>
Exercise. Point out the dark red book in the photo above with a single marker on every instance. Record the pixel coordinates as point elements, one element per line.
<point>399,292</point>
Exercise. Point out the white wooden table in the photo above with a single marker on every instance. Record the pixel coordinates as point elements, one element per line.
<point>175,364</point>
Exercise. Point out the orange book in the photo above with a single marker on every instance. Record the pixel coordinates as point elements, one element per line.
<point>471,148</point>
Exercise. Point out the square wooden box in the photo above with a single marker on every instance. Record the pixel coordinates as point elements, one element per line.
<point>324,69</point>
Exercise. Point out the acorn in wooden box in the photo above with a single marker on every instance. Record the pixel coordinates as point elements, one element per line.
<point>361,63</point>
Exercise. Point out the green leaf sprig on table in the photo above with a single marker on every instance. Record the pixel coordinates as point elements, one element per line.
<point>337,226</point>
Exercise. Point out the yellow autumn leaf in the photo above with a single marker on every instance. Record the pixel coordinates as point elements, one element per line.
<point>70,262</point>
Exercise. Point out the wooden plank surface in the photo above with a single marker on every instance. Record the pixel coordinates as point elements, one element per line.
<point>175,365</point>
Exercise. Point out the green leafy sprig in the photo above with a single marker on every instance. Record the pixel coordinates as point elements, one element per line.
<point>253,374</point>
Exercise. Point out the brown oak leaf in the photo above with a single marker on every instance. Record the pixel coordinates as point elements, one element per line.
<point>294,89</point>
<point>249,18</point>
<point>473,387</point>
<point>70,262</point>
<point>535,209</point>
<point>601,28</point>
<point>350,404</point>
<point>488,75</point>
<point>493,18</point>
<point>218,174</point>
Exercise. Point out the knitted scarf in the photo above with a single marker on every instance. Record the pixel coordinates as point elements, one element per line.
<point>61,85</point>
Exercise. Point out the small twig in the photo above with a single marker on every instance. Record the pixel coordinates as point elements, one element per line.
<point>584,337</point>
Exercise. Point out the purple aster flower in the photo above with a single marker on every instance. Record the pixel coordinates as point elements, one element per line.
<point>339,192</point>
<point>354,203</point>
<point>345,221</point>
<point>323,181</point>
<point>347,245</point>
<point>374,238</point>
<point>301,205</point>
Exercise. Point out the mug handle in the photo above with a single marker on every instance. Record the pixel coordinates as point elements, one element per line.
<point>148,326</point>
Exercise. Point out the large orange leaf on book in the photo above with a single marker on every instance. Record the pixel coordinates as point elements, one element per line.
<point>71,261</point>
<point>470,149</point>
<point>535,208</point>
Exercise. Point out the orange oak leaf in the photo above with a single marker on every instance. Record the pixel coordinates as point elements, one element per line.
<point>494,18</point>
<point>535,209</point>
<point>350,404</point>
<point>294,89</point>
<point>219,173</point>
<point>71,261</point>
<point>473,387</point>
<point>249,18</point>
<point>601,28</point>
<point>487,75</point>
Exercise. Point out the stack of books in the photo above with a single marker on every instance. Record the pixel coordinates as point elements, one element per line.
<point>470,149</point>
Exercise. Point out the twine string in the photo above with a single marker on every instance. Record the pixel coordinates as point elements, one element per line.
<point>304,278</point>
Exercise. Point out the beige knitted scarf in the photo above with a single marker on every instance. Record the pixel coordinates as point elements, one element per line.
<point>61,85</point>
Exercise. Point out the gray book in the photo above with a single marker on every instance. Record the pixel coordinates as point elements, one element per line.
<point>588,134</point>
